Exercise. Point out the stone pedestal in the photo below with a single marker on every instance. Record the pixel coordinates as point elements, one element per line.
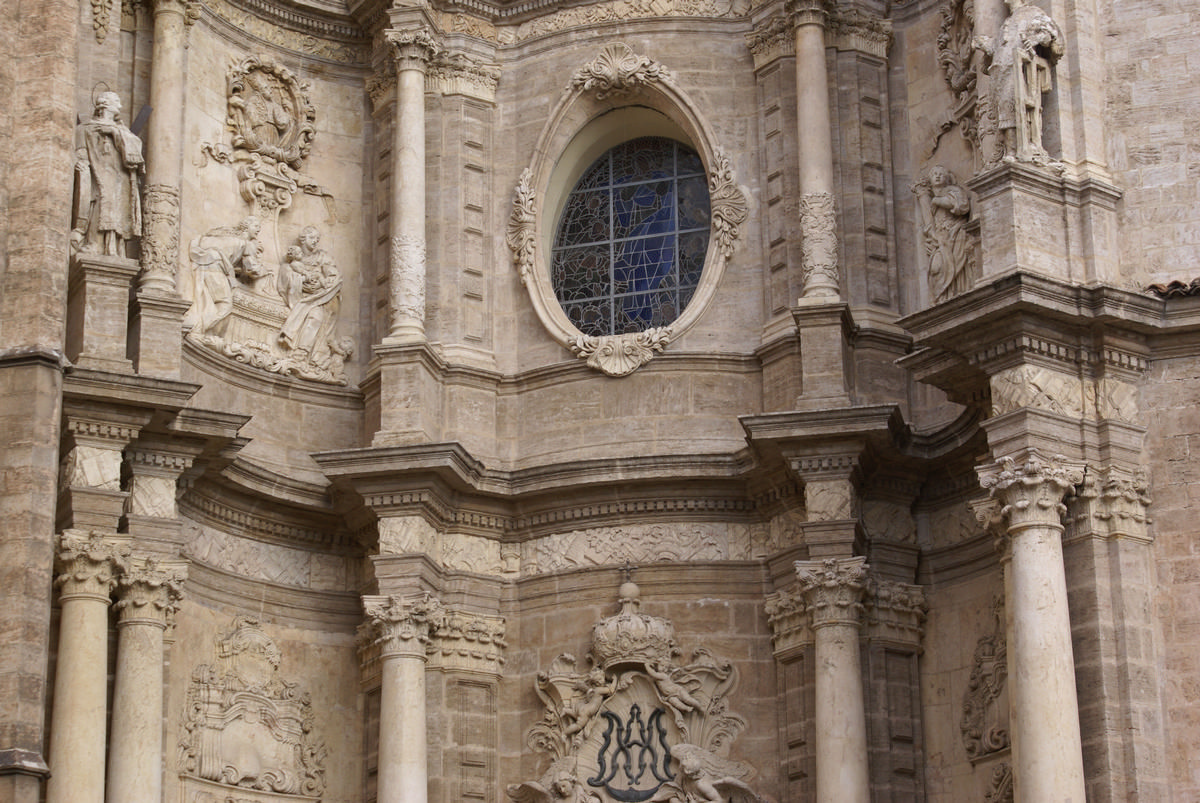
<point>402,629</point>
<point>825,363</point>
<point>89,565</point>
<point>148,595</point>
<point>1047,750</point>
<point>157,334</point>
<point>98,311</point>
<point>833,591</point>
<point>402,388</point>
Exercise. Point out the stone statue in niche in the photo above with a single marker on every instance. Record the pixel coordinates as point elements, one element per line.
<point>1020,67</point>
<point>638,725</point>
<point>108,161</point>
<point>945,210</point>
<point>245,725</point>
<point>221,258</point>
<point>285,326</point>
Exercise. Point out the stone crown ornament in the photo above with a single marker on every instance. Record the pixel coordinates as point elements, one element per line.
<point>632,637</point>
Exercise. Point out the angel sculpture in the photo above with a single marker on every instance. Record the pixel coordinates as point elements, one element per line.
<point>558,785</point>
<point>591,691</point>
<point>704,777</point>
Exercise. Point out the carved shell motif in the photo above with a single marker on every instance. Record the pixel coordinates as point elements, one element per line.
<point>618,71</point>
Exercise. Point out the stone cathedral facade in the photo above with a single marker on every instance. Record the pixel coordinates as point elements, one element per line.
<point>441,401</point>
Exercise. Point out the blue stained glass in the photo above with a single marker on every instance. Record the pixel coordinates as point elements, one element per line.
<point>632,237</point>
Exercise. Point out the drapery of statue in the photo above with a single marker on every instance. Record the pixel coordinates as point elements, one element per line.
<point>949,248</point>
<point>279,320</point>
<point>1020,65</point>
<point>108,162</point>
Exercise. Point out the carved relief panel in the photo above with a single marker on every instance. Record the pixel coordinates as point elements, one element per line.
<point>638,724</point>
<point>246,727</point>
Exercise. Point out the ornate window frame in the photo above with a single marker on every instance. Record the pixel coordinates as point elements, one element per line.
<point>617,96</point>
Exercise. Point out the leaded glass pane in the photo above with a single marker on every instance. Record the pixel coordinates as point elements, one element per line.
<point>632,238</point>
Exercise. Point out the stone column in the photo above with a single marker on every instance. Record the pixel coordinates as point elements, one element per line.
<point>833,592</point>
<point>164,143</point>
<point>402,628</point>
<point>148,596</point>
<point>89,565</point>
<point>413,50</point>
<point>818,222</point>
<point>1047,748</point>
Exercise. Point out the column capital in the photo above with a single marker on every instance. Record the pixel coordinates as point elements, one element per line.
<point>412,48</point>
<point>1111,502</point>
<point>402,626</point>
<point>807,12</point>
<point>1031,489</point>
<point>89,564</point>
<point>833,590</point>
<point>149,592</point>
<point>896,611</point>
<point>469,642</point>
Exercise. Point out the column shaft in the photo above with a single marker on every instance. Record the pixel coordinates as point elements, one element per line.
<point>842,775</point>
<point>135,759</point>
<point>164,142</point>
<point>1047,748</point>
<point>403,775</point>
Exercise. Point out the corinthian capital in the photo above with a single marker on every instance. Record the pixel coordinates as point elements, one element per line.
<point>807,12</point>
<point>150,592</point>
<point>88,564</point>
<point>402,626</point>
<point>1031,490</point>
<point>413,48</point>
<point>833,589</point>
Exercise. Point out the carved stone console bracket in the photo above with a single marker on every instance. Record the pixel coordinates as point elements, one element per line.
<point>618,77</point>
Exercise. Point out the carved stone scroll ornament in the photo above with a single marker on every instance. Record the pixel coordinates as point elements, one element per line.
<point>956,55</point>
<point>272,125</point>
<point>727,205</point>
<point>984,722</point>
<point>618,71</point>
<point>949,248</point>
<point>637,725</point>
<point>246,726</point>
<point>618,355</point>
<point>818,228</point>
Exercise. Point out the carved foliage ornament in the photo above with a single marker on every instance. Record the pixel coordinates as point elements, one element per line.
<point>984,723</point>
<point>818,228</point>
<point>637,726</point>
<point>618,71</point>
<point>245,725</point>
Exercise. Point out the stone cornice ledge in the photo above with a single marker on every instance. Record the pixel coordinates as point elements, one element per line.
<point>458,469</point>
<point>976,311</point>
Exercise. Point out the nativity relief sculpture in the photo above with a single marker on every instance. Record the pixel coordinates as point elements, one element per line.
<point>247,727</point>
<point>948,244</point>
<point>1020,68</point>
<point>108,164</point>
<point>280,320</point>
<point>637,725</point>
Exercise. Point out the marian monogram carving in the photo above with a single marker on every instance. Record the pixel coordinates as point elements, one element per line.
<point>638,725</point>
<point>245,725</point>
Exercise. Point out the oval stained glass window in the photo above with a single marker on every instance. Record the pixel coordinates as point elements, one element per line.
<point>632,237</point>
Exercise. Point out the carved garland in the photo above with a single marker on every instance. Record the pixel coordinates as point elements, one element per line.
<point>617,72</point>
